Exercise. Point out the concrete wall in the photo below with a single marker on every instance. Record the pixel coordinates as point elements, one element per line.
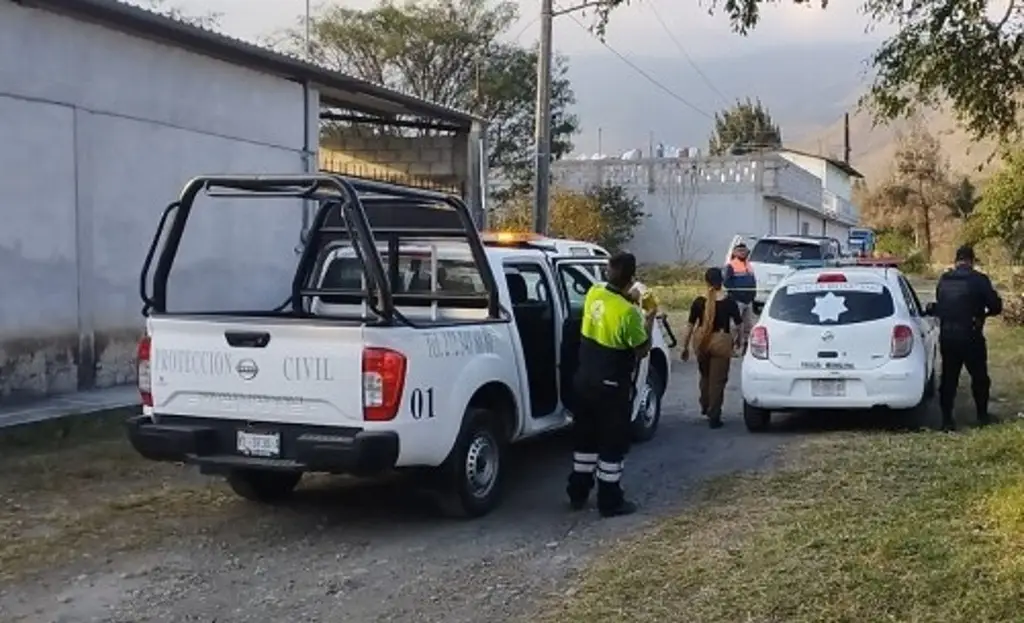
<point>98,132</point>
<point>838,181</point>
<point>695,207</point>
<point>807,163</point>
<point>428,161</point>
<point>686,206</point>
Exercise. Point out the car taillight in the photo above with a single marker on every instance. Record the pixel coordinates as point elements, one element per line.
<point>902,341</point>
<point>383,381</point>
<point>144,372</point>
<point>832,278</point>
<point>758,344</point>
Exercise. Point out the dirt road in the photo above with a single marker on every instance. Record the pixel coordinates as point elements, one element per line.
<point>351,553</point>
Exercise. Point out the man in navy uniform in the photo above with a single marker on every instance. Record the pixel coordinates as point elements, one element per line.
<point>964,298</point>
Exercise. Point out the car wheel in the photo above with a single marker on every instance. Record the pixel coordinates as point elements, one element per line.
<point>645,425</point>
<point>757,419</point>
<point>264,486</point>
<point>473,474</point>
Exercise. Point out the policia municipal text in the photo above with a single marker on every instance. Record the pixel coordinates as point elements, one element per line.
<point>615,335</point>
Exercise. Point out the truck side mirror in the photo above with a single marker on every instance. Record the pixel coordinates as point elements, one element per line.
<point>929,309</point>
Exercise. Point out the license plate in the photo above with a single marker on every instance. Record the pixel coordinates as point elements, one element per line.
<point>259,444</point>
<point>828,388</point>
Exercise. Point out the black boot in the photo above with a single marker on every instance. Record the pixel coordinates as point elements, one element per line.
<point>715,420</point>
<point>948,423</point>
<point>578,489</point>
<point>611,502</point>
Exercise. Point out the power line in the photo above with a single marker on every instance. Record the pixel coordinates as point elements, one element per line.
<point>640,71</point>
<point>686,55</point>
<point>522,31</point>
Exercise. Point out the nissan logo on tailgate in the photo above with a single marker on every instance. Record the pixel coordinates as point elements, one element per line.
<point>247,369</point>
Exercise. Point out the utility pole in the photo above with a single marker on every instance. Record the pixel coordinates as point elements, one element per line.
<point>308,40</point>
<point>542,131</point>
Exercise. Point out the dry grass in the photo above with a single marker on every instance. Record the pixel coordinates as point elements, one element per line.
<point>857,526</point>
<point>73,489</point>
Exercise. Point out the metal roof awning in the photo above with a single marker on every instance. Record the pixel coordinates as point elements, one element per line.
<point>336,89</point>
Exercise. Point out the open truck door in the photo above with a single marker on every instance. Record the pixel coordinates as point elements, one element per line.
<point>574,275</point>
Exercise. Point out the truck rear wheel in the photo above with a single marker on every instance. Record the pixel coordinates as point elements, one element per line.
<point>265,486</point>
<point>473,474</point>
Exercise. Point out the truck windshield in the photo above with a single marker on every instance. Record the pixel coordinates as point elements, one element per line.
<point>782,251</point>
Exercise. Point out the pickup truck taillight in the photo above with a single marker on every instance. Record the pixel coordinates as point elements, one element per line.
<point>144,374</point>
<point>383,381</point>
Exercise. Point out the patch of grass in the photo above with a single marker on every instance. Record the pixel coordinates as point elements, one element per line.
<point>74,487</point>
<point>670,274</point>
<point>917,527</point>
<point>66,432</point>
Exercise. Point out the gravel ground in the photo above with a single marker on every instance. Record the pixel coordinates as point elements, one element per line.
<point>375,553</point>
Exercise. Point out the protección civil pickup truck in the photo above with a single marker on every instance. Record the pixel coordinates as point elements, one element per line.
<point>407,343</point>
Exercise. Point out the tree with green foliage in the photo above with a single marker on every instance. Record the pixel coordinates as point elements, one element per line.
<point>449,52</point>
<point>944,52</point>
<point>963,198</point>
<point>745,127</point>
<point>1000,212</point>
<point>904,205</point>
<point>605,215</point>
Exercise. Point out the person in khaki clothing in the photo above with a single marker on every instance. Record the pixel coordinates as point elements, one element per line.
<point>712,318</point>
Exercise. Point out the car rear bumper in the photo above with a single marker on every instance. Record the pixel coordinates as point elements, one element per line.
<point>212,445</point>
<point>897,385</point>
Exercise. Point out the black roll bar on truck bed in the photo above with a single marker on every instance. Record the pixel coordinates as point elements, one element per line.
<point>343,209</point>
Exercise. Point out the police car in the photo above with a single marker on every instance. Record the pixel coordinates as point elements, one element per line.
<point>407,343</point>
<point>850,334</point>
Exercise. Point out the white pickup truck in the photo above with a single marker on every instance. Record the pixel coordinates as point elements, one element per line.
<point>407,344</point>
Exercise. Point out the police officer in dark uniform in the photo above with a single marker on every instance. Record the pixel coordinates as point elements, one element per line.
<point>615,335</point>
<point>964,297</point>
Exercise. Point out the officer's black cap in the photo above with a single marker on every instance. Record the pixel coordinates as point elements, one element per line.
<point>965,254</point>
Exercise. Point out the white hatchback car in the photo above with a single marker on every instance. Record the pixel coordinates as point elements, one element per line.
<point>846,336</point>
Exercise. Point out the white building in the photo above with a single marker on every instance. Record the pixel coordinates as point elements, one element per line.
<point>106,110</point>
<point>696,205</point>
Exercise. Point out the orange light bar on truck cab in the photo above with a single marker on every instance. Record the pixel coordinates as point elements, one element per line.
<point>510,237</point>
<point>882,262</point>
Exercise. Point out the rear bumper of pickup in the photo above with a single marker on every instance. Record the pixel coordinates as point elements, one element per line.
<point>212,445</point>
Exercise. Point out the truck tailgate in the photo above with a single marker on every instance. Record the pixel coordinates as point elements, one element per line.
<point>281,369</point>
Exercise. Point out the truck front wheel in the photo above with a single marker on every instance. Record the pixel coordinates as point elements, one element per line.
<point>265,486</point>
<point>473,474</point>
<point>646,423</point>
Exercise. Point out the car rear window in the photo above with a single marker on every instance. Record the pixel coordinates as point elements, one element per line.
<point>782,251</point>
<point>832,303</point>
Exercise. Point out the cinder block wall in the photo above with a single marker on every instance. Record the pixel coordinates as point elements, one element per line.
<point>428,161</point>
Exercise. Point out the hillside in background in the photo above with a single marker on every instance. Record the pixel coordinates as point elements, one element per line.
<point>872,148</point>
<point>807,90</point>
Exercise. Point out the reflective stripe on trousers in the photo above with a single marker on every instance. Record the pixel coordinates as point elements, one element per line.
<point>584,462</point>
<point>609,472</point>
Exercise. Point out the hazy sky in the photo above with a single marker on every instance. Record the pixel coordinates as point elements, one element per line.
<point>634,31</point>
